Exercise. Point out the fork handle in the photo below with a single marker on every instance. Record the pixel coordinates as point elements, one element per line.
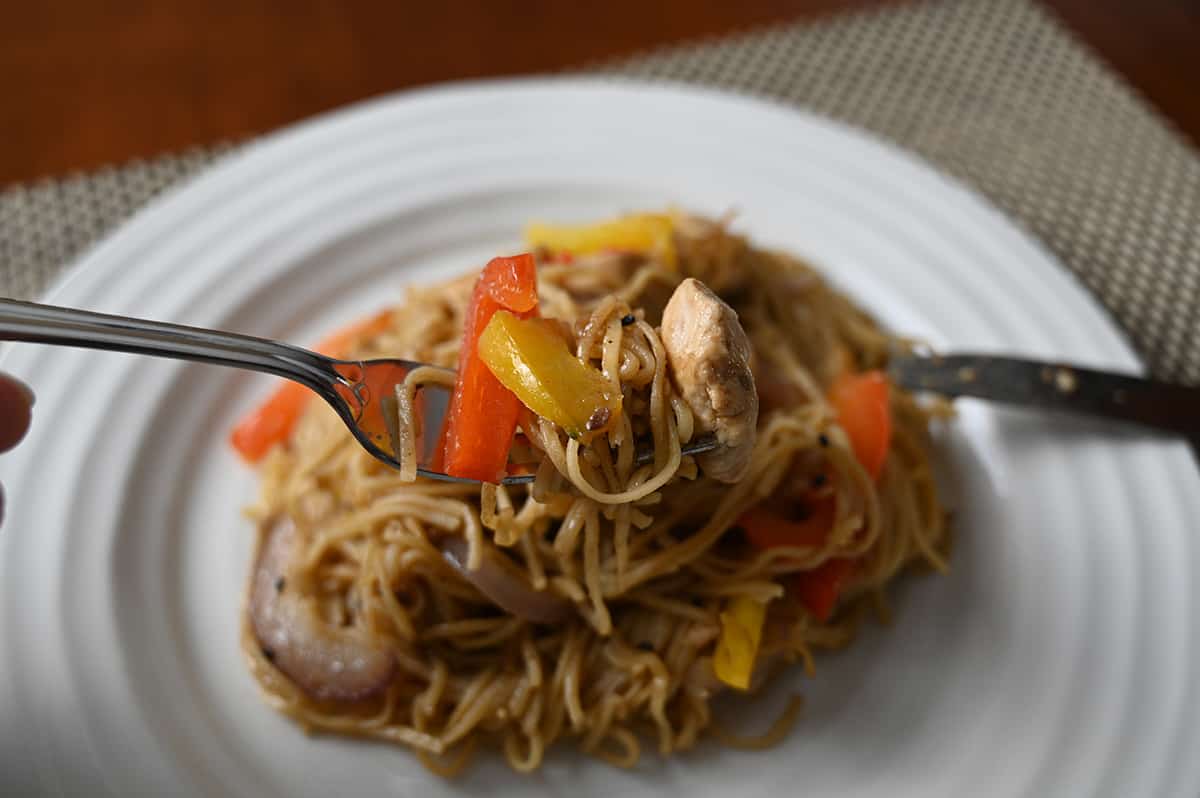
<point>50,324</point>
<point>1056,386</point>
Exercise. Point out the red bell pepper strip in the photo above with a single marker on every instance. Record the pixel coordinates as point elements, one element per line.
<point>272,422</point>
<point>483,413</point>
<point>861,403</point>
<point>767,530</point>
<point>819,589</point>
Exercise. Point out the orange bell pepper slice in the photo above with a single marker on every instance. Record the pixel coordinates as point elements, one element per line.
<point>272,422</point>
<point>862,405</point>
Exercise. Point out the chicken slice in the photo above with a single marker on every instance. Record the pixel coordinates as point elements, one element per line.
<point>709,355</point>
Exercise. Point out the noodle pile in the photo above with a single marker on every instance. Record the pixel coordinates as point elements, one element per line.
<point>647,556</point>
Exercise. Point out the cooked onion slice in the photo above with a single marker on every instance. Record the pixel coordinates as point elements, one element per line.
<point>328,663</point>
<point>503,583</point>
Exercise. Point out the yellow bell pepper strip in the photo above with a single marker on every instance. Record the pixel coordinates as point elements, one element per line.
<point>530,358</point>
<point>272,421</point>
<point>651,233</point>
<point>737,647</point>
<point>482,416</point>
<point>862,405</point>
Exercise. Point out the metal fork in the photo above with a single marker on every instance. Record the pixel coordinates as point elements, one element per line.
<point>345,384</point>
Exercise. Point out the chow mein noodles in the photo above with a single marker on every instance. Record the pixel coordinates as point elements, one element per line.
<point>607,602</point>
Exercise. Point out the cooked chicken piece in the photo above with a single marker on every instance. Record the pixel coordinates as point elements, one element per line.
<point>326,662</point>
<point>709,355</point>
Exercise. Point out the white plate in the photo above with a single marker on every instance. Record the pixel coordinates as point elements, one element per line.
<point>1058,658</point>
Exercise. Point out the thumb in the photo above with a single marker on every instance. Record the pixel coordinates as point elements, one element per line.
<point>16,401</point>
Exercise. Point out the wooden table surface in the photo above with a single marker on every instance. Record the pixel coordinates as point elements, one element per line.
<point>86,83</point>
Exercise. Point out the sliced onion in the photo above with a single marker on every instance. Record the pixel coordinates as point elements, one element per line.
<point>328,663</point>
<point>501,581</point>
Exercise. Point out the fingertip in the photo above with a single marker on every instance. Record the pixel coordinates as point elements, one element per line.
<point>15,411</point>
<point>30,396</point>
<point>8,381</point>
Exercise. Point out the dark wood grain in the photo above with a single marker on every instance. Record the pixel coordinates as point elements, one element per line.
<point>1155,44</point>
<point>85,84</point>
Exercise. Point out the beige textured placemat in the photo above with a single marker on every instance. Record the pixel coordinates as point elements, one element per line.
<point>995,92</point>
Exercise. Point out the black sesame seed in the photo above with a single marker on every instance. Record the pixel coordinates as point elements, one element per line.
<point>280,584</point>
<point>818,480</point>
<point>645,645</point>
<point>823,439</point>
<point>628,319</point>
<point>269,654</point>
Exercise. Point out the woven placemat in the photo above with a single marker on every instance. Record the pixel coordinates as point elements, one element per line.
<point>995,92</point>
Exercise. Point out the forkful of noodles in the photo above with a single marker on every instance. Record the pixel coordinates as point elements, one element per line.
<point>530,392</point>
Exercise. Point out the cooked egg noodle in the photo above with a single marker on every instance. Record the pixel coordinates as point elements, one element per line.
<point>646,555</point>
